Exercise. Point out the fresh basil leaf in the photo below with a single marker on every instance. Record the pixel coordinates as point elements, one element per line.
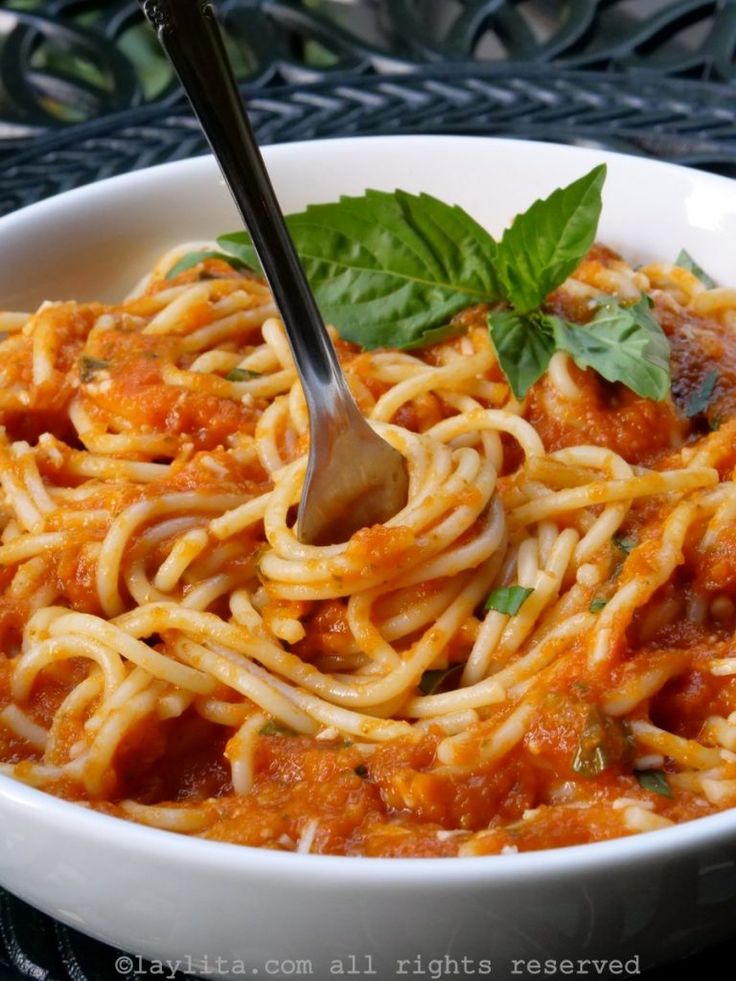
<point>386,268</point>
<point>192,259</point>
<point>508,599</point>
<point>88,367</point>
<point>597,604</point>
<point>433,680</point>
<point>700,399</point>
<point>625,543</point>
<point>655,781</point>
<point>275,728</point>
<point>524,347</point>
<point>548,241</point>
<point>623,344</point>
<point>686,261</point>
<point>241,374</point>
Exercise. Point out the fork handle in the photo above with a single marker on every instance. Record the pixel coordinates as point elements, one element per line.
<point>188,32</point>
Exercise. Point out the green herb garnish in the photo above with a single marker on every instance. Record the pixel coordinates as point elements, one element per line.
<point>603,741</point>
<point>700,399</point>
<point>433,680</point>
<point>391,269</point>
<point>597,604</point>
<point>592,755</point>
<point>386,268</point>
<point>686,261</point>
<point>88,367</point>
<point>508,599</point>
<point>535,256</point>
<point>275,728</point>
<point>241,374</point>
<point>524,346</point>
<point>654,781</point>
<point>546,243</point>
<point>624,543</point>
<point>623,344</point>
<point>192,259</point>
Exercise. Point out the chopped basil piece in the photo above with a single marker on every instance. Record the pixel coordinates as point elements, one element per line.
<point>655,781</point>
<point>597,604</point>
<point>275,728</point>
<point>686,261</point>
<point>591,756</point>
<point>433,680</point>
<point>700,399</point>
<point>88,367</point>
<point>241,374</point>
<point>603,742</point>
<point>508,599</point>
<point>192,259</point>
<point>625,544</point>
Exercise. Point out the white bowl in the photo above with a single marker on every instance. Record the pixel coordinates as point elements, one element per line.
<point>638,900</point>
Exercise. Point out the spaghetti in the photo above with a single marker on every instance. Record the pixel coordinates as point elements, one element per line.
<point>536,651</point>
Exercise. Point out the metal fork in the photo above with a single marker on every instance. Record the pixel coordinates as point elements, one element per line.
<point>354,478</point>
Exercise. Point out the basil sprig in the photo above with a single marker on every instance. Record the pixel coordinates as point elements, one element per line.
<point>545,243</point>
<point>535,256</point>
<point>386,268</point>
<point>623,344</point>
<point>392,268</point>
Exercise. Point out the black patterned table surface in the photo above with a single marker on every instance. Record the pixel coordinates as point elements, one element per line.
<point>85,94</point>
<point>690,122</point>
<point>69,61</point>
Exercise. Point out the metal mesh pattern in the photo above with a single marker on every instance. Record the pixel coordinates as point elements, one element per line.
<point>689,122</point>
<point>68,61</point>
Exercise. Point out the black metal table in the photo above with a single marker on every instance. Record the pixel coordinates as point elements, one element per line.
<point>85,94</point>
